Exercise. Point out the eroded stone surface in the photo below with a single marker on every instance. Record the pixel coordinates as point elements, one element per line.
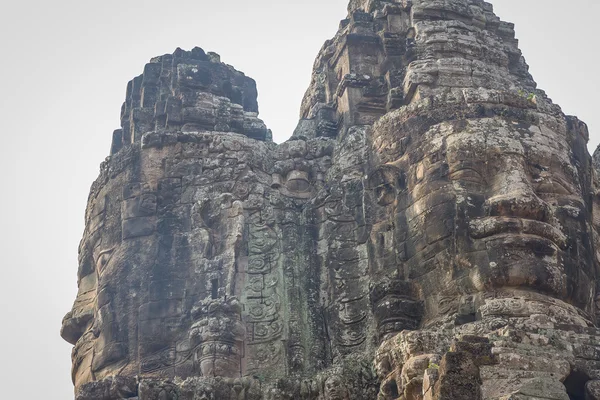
<point>429,232</point>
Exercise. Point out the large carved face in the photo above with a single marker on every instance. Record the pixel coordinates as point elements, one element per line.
<point>150,255</point>
<point>172,240</point>
<point>489,204</point>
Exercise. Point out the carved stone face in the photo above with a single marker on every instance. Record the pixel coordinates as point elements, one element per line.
<point>171,243</point>
<point>394,307</point>
<point>146,260</point>
<point>489,204</point>
<point>335,389</point>
<point>218,338</point>
<point>119,236</point>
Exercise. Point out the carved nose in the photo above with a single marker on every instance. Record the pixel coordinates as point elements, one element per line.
<point>519,205</point>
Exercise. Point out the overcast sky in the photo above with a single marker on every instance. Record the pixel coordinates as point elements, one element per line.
<point>64,68</point>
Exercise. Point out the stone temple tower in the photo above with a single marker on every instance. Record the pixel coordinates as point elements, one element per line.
<point>428,232</point>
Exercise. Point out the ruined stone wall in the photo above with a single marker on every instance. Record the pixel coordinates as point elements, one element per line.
<point>429,231</point>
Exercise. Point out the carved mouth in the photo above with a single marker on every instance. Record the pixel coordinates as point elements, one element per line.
<point>492,226</point>
<point>81,350</point>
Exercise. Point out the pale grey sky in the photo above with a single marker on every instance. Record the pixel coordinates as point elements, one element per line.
<point>65,65</point>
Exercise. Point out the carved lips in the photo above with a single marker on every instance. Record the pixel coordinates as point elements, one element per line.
<point>492,226</point>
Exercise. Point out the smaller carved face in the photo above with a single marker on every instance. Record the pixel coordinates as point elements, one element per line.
<point>148,204</point>
<point>395,307</point>
<point>204,393</point>
<point>385,182</point>
<point>335,389</point>
<point>218,335</point>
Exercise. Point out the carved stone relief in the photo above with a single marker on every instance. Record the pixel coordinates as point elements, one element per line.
<point>429,232</point>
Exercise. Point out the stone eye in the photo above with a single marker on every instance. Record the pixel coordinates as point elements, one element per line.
<point>544,182</point>
<point>102,260</point>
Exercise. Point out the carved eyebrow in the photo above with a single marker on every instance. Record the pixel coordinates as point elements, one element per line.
<point>102,252</point>
<point>465,168</point>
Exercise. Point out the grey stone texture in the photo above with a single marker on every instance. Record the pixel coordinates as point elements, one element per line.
<point>429,232</point>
